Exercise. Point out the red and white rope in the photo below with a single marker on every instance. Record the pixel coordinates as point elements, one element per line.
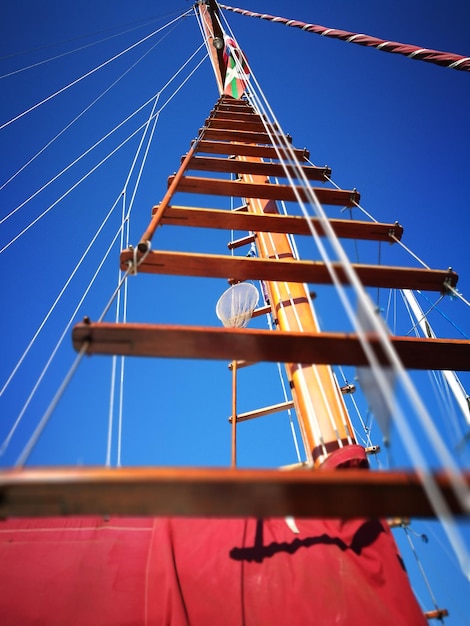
<point>445,59</point>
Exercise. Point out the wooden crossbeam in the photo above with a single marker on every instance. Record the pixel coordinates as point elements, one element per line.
<point>315,272</point>
<point>218,492</point>
<point>225,134</point>
<point>273,223</point>
<point>234,344</point>
<point>242,149</point>
<point>254,125</point>
<point>213,164</point>
<point>271,191</point>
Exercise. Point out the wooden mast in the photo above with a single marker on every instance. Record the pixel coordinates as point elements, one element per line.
<point>322,415</point>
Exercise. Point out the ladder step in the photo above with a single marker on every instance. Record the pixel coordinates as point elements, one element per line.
<point>265,152</point>
<point>213,164</point>
<point>243,115</point>
<point>220,134</point>
<point>240,268</point>
<point>436,614</point>
<point>267,410</point>
<point>255,125</point>
<point>218,492</point>
<point>240,189</point>
<point>238,243</point>
<point>229,344</point>
<point>273,223</point>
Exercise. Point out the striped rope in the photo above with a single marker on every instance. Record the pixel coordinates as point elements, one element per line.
<point>445,59</point>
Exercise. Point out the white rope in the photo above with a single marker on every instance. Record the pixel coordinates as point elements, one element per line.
<point>47,415</point>
<point>424,419</point>
<point>59,91</point>
<point>88,45</point>
<point>102,94</point>
<point>72,318</point>
<point>125,219</point>
<point>56,301</point>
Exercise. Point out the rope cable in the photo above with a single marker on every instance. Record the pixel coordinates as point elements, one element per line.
<point>423,416</point>
<point>74,82</point>
<point>89,45</point>
<point>56,348</point>
<point>445,59</point>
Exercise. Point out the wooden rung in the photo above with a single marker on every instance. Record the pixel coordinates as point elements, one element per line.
<point>233,344</point>
<point>239,268</point>
<point>217,492</point>
<point>436,614</point>
<point>265,152</point>
<point>241,364</point>
<point>294,466</point>
<point>240,189</point>
<point>225,134</point>
<point>371,450</point>
<point>213,164</point>
<point>238,243</point>
<point>240,115</point>
<point>264,310</point>
<point>273,223</point>
<point>267,410</point>
<point>254,126</point>
<point>398,522</point>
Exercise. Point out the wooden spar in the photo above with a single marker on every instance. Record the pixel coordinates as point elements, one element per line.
<point>213,34</point>
<point>219,492</point>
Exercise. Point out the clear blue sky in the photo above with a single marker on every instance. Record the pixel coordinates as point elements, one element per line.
<point>396,129</point>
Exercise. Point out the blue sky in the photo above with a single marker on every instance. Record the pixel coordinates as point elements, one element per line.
<point>395,129</point>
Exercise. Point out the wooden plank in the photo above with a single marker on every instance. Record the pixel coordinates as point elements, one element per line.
<point>270,191</point>
<point>254,125</point>
<point>315,272</point>
<point>240,115</point>
<point>274,223</point>
<point>218,492</point>
<point>220,134</point>
<point>213,164</point>
<point>266,152</point>
<point>233,344</point>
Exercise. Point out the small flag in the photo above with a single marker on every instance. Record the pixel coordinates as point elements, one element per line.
<point>237,70</point>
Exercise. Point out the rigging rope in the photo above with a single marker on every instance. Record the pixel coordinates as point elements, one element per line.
<point>373,323</point>
<point>445,59</point>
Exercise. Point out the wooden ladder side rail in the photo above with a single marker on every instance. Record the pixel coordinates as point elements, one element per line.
<point>252,150</point>
<point>214,164</point>
<point>218,492</point>
<point>240,268</point>
<point>230,344</point>
<point>270,191</point>
<point>274,223</point>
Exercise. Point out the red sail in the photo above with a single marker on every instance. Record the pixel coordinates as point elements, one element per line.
<point>191,572</point>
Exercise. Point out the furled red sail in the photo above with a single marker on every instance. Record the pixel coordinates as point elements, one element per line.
<point>190,572</point>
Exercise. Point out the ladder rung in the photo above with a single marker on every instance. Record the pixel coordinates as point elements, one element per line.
<point>242,364</point>
<point>238,243</point>
<point>436,614</point>
<point>225,134</point>
<point>266,152</point>
<point>244,115</point>
<point>240,189</point>
<point>273,223</point>
<point>264,310</point>
<point>240,268</point>
<point>213,164</point>
<point>229,344</point>
<point>255,125</point>
<point>218,492</point>
<point>267,410</point>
